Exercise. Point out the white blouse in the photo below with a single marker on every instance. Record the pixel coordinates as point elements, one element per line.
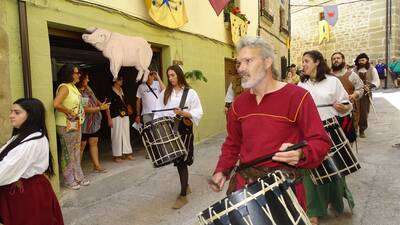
<point>26,160</point>
<point>230,95</point>
<point>192,102</point>
<point>327,91</point>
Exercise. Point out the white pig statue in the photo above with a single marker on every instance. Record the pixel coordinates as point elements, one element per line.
<point>121,50</point>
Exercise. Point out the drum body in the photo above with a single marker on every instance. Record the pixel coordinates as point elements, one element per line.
<point>270,200</point>
<point>340,160</point>
<point>163,144</point>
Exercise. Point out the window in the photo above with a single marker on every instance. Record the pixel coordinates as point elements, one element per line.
<point>266,10</point>
<point>283,25</point>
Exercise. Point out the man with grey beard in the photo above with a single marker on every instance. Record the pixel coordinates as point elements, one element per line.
<point>354,87</point>
<point>266,119</point>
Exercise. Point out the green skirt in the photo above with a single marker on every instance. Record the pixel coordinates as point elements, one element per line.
<point>319,196</point>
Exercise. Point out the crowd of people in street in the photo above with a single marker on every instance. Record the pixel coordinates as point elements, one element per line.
<point>263,113</point>
<point>346,89</point>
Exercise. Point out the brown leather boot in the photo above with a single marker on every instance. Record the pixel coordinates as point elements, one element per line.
<point>180,202</point>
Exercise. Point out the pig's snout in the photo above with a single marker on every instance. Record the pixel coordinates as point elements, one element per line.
<point>85,37</point>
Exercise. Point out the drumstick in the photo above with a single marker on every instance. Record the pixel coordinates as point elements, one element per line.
<point>331,105</point>
<point>269,157</point>
<point>169,109</point>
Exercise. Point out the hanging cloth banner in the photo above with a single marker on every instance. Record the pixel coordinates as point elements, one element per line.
<point>331,14</point>
<point>219,5</point>
<point>324,31</point>
<point>168,13</point>
<point>238,28</point>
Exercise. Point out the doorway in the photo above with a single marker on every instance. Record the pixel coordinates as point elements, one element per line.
<point>68,47</point>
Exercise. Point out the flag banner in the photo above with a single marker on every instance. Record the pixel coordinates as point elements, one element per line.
<point>324,31</point>
<point>219,5</point>
<point>331,14</point>
<point>238,28</point>
<point>168,13</point>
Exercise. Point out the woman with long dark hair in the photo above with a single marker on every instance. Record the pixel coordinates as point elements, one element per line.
<point>324,89</point>
<point>171,98</point>
<point>26,196</point>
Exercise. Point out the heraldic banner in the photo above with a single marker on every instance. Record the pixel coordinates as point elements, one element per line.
<point>168,13</point>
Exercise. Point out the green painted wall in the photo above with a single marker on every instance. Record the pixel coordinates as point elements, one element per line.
<point>196,52</point>
<point>5,91</point>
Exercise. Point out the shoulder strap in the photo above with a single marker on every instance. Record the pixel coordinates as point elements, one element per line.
<point>184,96</point>
<point>348,73</point>
<point>152,91</point>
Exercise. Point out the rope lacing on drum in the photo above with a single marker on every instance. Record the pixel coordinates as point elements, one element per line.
<point>259,197</point>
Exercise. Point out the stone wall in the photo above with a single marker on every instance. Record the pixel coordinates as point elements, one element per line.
<point>360,28</point>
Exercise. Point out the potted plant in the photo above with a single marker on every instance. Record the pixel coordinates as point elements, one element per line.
<point>195,75</point>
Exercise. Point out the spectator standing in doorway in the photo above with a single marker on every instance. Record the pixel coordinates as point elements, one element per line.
<point>91,126</point>
<point>147,97</point>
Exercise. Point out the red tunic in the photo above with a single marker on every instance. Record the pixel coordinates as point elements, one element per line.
<point>288,115</point>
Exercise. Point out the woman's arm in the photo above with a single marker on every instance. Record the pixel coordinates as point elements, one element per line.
<point>62,93</point>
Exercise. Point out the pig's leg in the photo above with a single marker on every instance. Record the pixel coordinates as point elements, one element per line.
<point>115,66</point>
<point>145,55</point>
<point>140,74</point>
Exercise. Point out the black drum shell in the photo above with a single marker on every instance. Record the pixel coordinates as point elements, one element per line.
<point>340,161</point>
<point>253,208</point>
<point>162,142</point>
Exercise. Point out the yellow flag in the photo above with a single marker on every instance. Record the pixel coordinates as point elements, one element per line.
<point>238,28</point>
<point>288,42</point>
<point>168,13</point>
<point>324,30</point>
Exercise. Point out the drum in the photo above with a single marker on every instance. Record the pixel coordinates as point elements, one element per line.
<point>270,200</point>
<point>340,160</point>
<point>163,144</point>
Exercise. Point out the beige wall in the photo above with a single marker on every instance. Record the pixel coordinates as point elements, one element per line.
<point>202,18</point>
<point>250,8</point>
<point>360,28</point>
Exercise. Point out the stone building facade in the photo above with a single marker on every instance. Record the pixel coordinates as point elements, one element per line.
<point>361,27</point>
<point>274,27</point>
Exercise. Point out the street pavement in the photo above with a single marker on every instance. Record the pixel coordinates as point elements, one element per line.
<point>135,193</point>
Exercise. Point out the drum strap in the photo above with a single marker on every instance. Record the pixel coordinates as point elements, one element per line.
<point>181,106</point>
<point>184,96</point>
<point>152,91</point>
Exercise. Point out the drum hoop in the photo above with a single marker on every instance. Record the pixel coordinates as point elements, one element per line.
<point>249,197</point>
<point>336,172</point>
<point>330,121</point>
<point>265,187</point>
<point>168,155</point>
<point>158,120</point>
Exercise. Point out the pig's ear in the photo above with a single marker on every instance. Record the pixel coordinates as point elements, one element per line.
<point>91,29</point>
